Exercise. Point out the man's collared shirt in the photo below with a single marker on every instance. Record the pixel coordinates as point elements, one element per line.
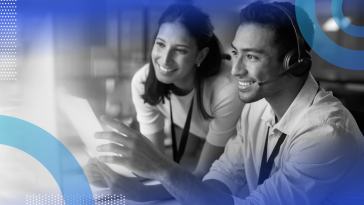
<point>321,161</point>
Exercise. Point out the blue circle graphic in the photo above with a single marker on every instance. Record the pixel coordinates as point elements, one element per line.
<point>338,15</point>
<point>343,57</point>
<point>50,152</point>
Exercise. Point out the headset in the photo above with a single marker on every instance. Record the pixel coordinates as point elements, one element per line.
<point>303,63</point>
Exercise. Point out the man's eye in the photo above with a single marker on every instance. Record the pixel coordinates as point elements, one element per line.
<point>251,57</point>
<point>234,53</point>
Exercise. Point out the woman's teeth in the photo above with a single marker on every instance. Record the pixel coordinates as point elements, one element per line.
<point>166,70</point>
<point>246,83</point>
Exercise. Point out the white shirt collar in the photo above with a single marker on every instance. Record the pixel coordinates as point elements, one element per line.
<point>302,101</point>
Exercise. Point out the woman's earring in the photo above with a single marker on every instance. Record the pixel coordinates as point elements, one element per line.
<point>198,65</point>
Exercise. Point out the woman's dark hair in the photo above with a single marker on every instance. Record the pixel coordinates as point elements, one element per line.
<point>200,28</point>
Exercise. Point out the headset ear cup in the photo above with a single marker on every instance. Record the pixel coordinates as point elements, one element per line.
<point>289,59</point>
<point>302,68</point>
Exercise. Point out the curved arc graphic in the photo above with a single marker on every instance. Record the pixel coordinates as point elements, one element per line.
<point>343,57</point>
<point>50,152</point>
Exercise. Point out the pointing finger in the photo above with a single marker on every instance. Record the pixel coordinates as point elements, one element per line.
<point>121,127</point>
<point>112,136</point>
<point>112,147</point>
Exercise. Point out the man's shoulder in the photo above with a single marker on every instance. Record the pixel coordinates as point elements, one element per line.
<point>326,109</point>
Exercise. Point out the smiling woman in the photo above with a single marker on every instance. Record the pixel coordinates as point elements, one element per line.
<point>185,65</point>
<point>174,56</point>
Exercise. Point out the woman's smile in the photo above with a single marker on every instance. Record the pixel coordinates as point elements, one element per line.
<point>165,70</point>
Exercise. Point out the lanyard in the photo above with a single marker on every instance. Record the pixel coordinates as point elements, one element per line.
<point>177,154</point>
<point>266,166</point>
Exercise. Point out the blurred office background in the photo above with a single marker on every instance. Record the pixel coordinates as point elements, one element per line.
<point>91,49</point>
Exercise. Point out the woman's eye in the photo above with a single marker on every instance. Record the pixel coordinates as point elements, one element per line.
<point>160,44</point>
<point>181,51</point>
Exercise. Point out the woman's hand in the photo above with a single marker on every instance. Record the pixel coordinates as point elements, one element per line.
<point>94,174</point>
<point>131,188</point>
<point>139,154</point>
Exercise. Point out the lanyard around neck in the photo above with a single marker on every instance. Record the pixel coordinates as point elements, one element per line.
<point>177,154</point>
<point>266,166</point>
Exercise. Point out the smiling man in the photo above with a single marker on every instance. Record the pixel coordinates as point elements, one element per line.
<point>296,143</point>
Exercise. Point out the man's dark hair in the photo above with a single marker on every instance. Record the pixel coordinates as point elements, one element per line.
<point>200,28</point>
<point>274,18</point>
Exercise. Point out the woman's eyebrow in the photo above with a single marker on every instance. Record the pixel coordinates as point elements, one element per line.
<point>180,45</point>
<point>159,38</point>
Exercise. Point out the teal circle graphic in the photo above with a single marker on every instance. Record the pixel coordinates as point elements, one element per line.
<point>343,57</point>
<point>50,152</point>
<point>338,15</point>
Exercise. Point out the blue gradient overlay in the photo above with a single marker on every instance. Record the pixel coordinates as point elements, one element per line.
<point>50,152</point>
<point>343,57</point>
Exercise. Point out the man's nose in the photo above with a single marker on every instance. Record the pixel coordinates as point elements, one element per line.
<point>239,67</point>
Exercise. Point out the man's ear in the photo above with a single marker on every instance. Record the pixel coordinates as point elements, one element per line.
<point>201,56</point>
